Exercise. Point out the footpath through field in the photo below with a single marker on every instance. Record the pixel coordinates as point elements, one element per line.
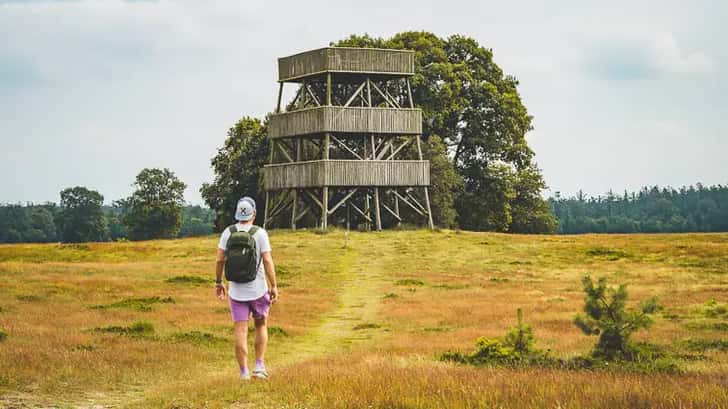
<point>362,275</point>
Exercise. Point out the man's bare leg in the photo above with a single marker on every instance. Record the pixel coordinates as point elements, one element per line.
<point>241,346</point>
<point>261,342</point>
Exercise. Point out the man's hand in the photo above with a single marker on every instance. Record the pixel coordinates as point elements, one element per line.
<point>273,294</point>
<point>220,291</point>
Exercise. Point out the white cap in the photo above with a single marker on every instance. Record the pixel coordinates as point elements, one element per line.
<point>245,209</point>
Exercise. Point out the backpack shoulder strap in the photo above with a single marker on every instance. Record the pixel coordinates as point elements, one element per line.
<point>253,229</point>
<point>232,229</point>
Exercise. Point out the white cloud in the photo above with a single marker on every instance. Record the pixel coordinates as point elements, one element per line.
<point>668,57</point>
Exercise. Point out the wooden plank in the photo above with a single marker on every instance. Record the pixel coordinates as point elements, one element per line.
<point>375,61</point>
<point>361,212</point>
<point>407,202</point>
<point>317,120</point>
<point>346,148</point>
<point>345,172</point>
<point>342,201</point>
<point>392,212</point>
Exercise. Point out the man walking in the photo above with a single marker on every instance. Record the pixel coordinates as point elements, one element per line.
<point>245,254</point>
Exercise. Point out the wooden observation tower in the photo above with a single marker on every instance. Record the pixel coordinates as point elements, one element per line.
<point>347,148</point>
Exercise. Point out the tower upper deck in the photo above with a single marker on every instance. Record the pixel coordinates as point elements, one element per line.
<point>373,62</point>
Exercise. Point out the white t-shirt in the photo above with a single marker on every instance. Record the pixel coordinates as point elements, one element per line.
<point>258,287</point>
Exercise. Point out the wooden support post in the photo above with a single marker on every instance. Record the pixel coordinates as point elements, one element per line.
<point>427,193</point>
<point>271,156</point>
<point>265,210</point>
<point>328,89</point>
<point>294,210</point>
<point>368,211</point>
<point>377,214</point>
<point>376,209</point>
<point>369,93</point>
<point>409,94</point>
<point>348,216</point>
<point>325,208</point>
<point>396,210</point>
<point>280,95</point>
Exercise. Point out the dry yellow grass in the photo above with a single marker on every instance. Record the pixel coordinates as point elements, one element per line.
<point>363,324</point>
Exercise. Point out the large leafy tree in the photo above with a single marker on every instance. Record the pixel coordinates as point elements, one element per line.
<point>154,210</point>
<point>238,169</point>
<point>475,108</point>
<point>81,218</point>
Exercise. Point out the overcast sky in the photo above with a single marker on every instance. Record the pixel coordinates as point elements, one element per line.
<point>624,93</point>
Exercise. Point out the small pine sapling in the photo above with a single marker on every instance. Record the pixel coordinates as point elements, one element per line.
<point>521,337</point>
<point>606,316</point>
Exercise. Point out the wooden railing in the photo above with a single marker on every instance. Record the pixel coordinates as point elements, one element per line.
<point>404,121</point>
<point>321,173</point>
<point>349,60</point>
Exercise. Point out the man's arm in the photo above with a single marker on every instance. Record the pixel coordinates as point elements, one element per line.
<point>270,273</point>
<point>219,264</point>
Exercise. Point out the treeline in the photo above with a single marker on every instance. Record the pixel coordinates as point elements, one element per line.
<point>155,210</point>
<point>38,223</point>
<point>651,210</point>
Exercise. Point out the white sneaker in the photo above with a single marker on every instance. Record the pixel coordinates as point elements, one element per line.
<point>245,376</point>
<point>260,373</point>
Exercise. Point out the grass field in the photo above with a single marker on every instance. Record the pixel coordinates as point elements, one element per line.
<point>360,324</point>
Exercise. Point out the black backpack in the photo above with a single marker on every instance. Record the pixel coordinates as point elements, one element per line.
<point>241,255</point>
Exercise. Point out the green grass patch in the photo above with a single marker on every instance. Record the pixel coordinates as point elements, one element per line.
<point>3,335</point>
<point>708,326</point>
<point>451,286</point>
<point>410,282</point>
<point>187,279</point>
<point>437,329</point>
<point>272,331</point>
<point>607,253</point>
<point>714,309</point>
<point>138,329</point>
<point>390,295</point>
<point>499,280</point>
<point>198,338</point>
<point>29,298</point>
<point>140,304</point>
<point>366,325</point>
<point>702,345</point>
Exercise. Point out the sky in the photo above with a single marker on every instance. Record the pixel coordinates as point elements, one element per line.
<point>623,93</point>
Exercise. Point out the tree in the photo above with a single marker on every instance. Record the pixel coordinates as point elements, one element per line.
<point>80,218</point>
<point>468,101</point>
<point>14,221</point>
<point>530,213</point>
<point>238,169</point>
<point>606,316</point>
<point>445,185</point>
<point>197,221</point>
<point>154,210</point>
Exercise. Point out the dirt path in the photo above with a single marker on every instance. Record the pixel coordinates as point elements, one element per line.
<point>346,327</point>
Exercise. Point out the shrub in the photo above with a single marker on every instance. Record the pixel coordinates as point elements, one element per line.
<point>606,316</point>
<point>515,349</point>
<point>3,335</point>
<point>714,309</point>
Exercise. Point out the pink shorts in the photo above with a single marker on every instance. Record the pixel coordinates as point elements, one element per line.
<point>241,310</point>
